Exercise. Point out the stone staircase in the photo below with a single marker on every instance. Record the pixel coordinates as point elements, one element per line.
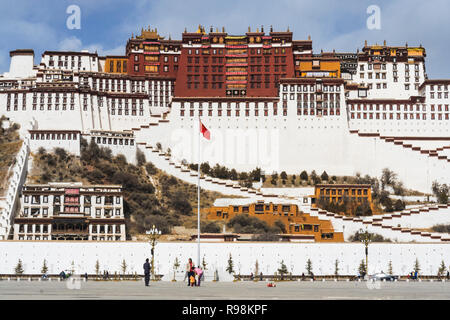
<point>383,225</point>
<point>440,153</point>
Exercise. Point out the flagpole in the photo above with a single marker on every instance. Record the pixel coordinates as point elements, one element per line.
<point>198,194</point>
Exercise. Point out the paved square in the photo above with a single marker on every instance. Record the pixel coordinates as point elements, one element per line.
<point>223,290</point>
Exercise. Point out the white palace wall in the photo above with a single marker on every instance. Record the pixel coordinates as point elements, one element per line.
<point>275,143</point>
<point>59,256</point>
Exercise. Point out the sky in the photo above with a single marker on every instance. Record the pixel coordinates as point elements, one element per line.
<point>106,25</point>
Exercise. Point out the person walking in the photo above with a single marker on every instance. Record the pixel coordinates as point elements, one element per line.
<point>147,272</point>
<point>199,272</point>
<point>189,269</point>
<point>192,279</point>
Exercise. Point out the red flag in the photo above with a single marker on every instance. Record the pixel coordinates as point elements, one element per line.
<point>205,132</point>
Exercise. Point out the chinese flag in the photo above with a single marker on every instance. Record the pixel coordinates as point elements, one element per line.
<point>205,132</point>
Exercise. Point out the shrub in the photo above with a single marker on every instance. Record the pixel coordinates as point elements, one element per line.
<point>210,227</point>
<point>443,228</point>
<point>95,176</point>
<point>205,168</point>
<point>61,153</point>
<point>266,236</point>
<point>243,223</point>
<point>375,237</point>
<point>140,157</point>
<point>181,204</point>
<point>151,169</point>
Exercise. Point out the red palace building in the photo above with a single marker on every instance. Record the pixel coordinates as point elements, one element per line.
<point>217,64</point>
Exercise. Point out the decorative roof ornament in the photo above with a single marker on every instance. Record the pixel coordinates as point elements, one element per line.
<point>309,37</point>
<point>288,29</point>
<point>249,30</point>
<point>271,28</point>
<point>223,29</point>
<point>262,28</point>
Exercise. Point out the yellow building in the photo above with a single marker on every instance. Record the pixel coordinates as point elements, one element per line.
<point>295,221</point>
<point>318,67</point>
<point>337,193</point>
<point>116,64</point>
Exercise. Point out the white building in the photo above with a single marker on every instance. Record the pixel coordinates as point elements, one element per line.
<point>388,116</point>
<point>71,211</point>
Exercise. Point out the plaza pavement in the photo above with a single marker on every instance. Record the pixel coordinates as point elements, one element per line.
<point>37,290</point>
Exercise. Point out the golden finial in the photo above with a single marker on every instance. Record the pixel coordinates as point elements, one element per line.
<point>309,37</point>
<point>223,29</point>
<point>249,29</point>
<point>185,30</point>
<point>365,43</point>
<point>257,29</point>
<point>217,30</point>
<point>288,29</point>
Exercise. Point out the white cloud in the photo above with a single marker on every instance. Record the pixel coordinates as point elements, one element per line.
<point>75,44</point>
<point>70,44</point>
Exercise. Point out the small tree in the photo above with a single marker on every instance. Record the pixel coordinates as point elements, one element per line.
<point>283,269</point>
<point>44,269</point>
<point>124,266</point>
<point>390,268</point>
<point>229,268</point>
<point>442,269</point>
<point>19,268</point>
<point>204,264</point>
<point>303,175</point>
<point>336,267</point>
<point>362,268</point>
<point>417,266</point>
<point>324,176</point>
<point>256,267</point>
<point>283,176</point>
<point>97,268</point>
<point>176,265</point>
<point>309,268</point>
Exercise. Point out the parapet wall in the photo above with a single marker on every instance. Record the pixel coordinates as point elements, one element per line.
<point>59,256</point>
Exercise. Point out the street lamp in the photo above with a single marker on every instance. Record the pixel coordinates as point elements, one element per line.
<point>154,234</point>
<point>366,238</point>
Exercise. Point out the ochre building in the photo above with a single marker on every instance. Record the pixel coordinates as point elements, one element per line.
<point>295,221</point>
<point>358,193</point>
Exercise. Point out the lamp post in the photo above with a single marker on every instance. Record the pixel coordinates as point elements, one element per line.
<point>154,234</point>
<point>366,239</point>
